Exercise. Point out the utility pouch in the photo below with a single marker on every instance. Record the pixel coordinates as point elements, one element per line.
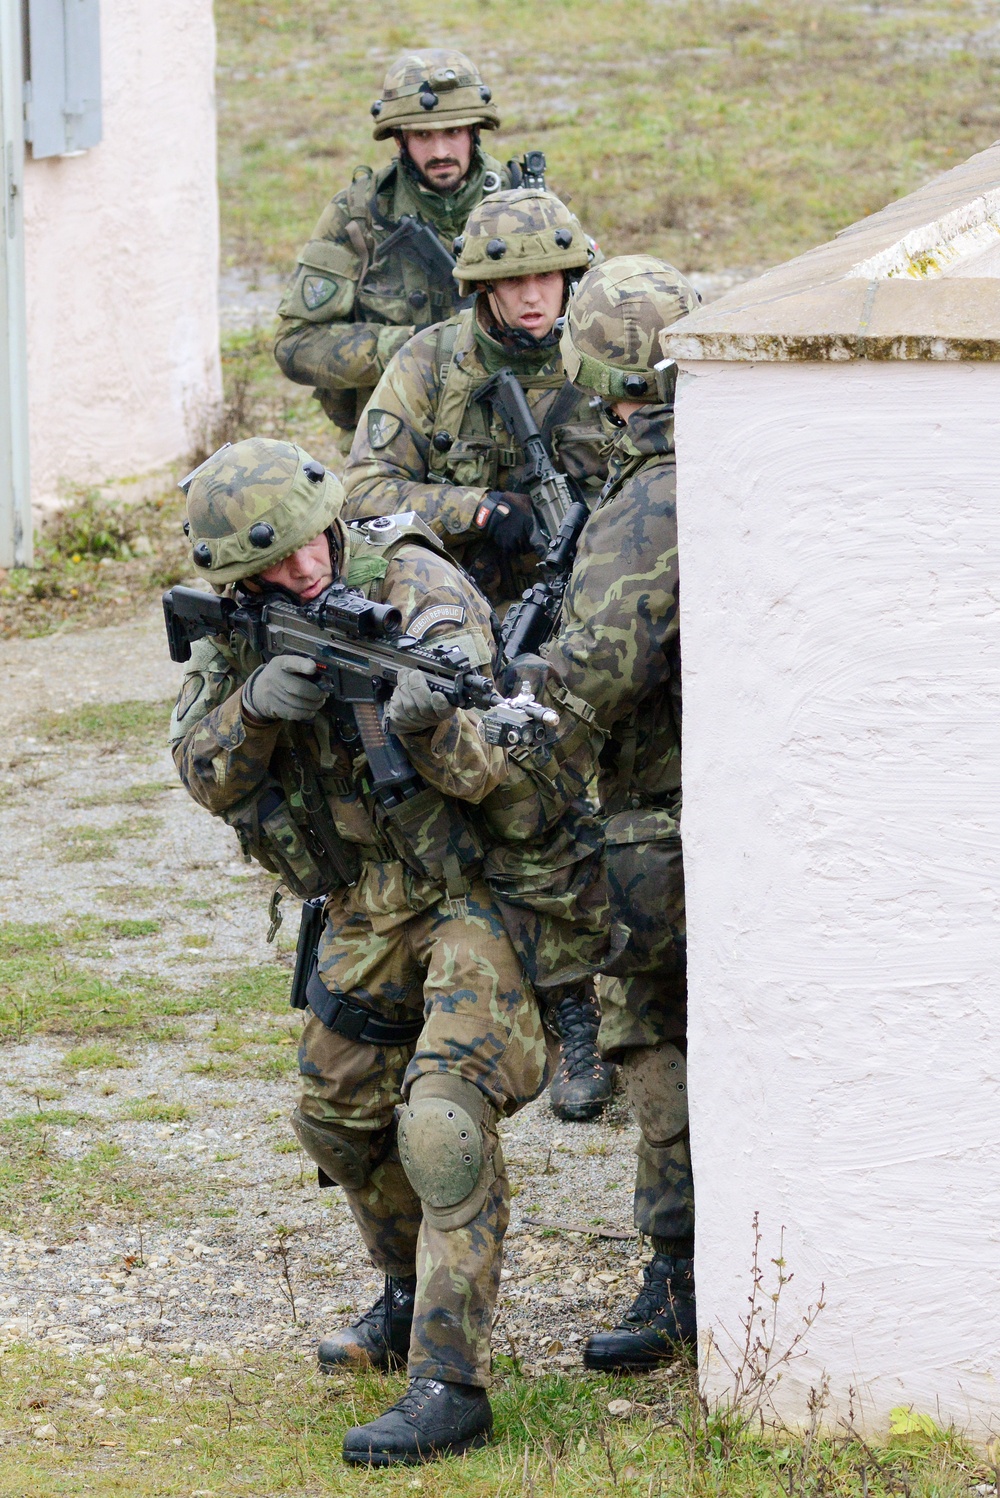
<point>268,832</point>
<point>306,948</point>
<point>645,872</point>
<point>430,835</point>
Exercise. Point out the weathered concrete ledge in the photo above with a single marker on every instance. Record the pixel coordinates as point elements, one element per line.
<point>918,280</point>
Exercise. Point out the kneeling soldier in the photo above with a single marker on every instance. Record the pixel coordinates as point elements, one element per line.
<point>419,998</point>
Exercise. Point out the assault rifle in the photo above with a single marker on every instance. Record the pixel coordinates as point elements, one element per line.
<point>359,650</point>
<point>550,491</point>
<point>532,620</point>
<point>413,238</point>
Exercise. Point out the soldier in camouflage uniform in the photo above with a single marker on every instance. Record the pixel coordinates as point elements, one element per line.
<point>423,1030</point>
<point>427,445</point>
<point>348,308</point>
<point>618,648</point>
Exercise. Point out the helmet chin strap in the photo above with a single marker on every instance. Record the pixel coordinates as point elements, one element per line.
<point>255,589</point>
<point>519,340</point>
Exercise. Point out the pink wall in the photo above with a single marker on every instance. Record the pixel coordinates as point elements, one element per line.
<point>121,249</point>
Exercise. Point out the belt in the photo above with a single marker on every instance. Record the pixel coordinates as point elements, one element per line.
<point>354,1021</point>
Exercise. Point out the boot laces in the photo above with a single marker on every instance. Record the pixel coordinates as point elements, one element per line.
<point>382,1312</point>
<point>658,1294</point>
<point>577,1021</point>
<point>418,1392</point>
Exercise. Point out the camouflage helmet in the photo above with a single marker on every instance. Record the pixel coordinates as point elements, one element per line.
<point>433,90</point>
<point>610,340</point>
<point>253,503</point>
<point>522,232</point>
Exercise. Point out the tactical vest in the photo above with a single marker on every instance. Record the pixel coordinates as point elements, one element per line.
<point>469,446</point>
<point>396,291</point>
<point>315,817</point>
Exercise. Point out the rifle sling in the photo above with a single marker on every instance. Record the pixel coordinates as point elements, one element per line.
<point>561,408</point>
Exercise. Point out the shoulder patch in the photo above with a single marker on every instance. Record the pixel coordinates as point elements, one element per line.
<point>316,290</point>
<point>453,613</point>
<point>382,428</point>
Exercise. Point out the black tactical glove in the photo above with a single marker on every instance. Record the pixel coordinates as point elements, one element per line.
<point>414,707</point>
<point>507,520</point>
<point>282,690</point>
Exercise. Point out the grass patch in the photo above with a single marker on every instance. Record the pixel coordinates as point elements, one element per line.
<point>139,795</point>
<point>43,991</point>
<point>35,1177</point>
<point>97,559</point>
<point>274,1426</point>
<point>715,134</point>
<point>113,725</point>
<point>96,1057</point>
<point>151,1110</point>
<point>272,1068</point>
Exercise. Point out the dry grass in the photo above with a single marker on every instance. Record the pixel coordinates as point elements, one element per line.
<point>719,133</point>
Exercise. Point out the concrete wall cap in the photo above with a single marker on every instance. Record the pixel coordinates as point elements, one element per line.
<point>918,280</point>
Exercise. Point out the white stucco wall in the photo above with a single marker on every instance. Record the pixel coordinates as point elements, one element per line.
<point>840,549</point>
<point>122,259</point>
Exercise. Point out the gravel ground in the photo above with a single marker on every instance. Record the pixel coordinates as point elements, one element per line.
<point>203,1271</point>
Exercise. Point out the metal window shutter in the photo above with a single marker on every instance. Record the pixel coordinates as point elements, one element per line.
<point>63,94</point>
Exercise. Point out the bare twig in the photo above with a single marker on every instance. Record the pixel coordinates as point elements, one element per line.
<point>619,1234</point>
<point>280,1252</point>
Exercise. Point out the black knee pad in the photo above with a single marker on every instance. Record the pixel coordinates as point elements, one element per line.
<point>346,1156</point>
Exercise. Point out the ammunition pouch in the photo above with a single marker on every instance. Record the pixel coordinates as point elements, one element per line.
<point>433,838</point>
<point>645,873</point>
<point>287,845</point>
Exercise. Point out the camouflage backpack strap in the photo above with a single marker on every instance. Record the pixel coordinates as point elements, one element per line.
<point>561,410</point>
<point>359,226</point>
<point>454,337</point>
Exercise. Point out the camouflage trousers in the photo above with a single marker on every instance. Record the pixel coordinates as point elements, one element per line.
<point>644,1003</point>
<point>458,969</point>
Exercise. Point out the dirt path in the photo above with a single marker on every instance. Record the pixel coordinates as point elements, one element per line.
<point>155,1109</point>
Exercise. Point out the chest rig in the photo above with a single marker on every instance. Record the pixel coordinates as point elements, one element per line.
<point>468,445</point>
<point>397,287</point>
<point>316,818</point>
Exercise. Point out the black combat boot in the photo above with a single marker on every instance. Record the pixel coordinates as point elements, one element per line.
<point>379,1339</point>
<point>583,1083</point>
<point>658,1324</point>
<point>432,1419</point>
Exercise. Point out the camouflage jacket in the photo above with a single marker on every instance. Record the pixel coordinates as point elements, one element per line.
<point>531,802</point>
<point>618,646</point>
<point>427,445</point>
<point>346,311</point>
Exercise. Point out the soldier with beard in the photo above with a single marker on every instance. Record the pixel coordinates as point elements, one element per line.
<point>349,307</point>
